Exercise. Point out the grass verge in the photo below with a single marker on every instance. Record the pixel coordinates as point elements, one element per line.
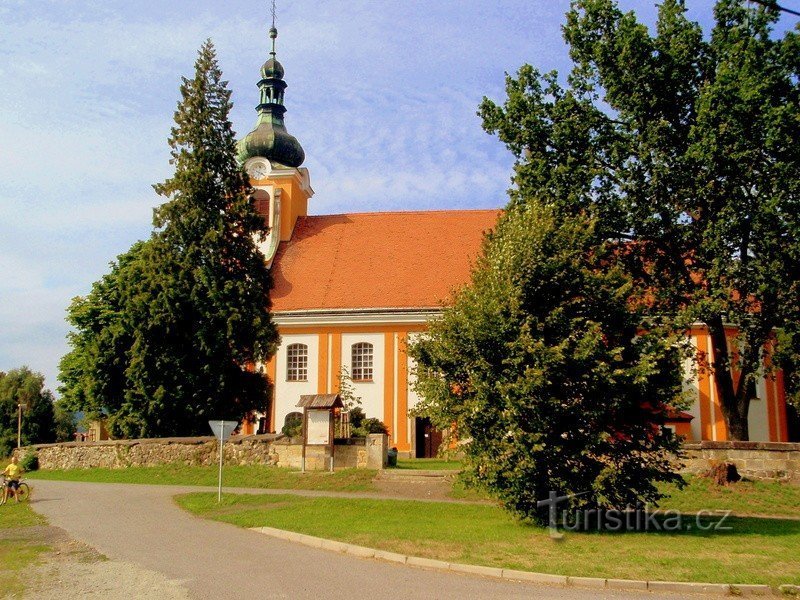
<point>254,476</point>
<point>18,548</point>
<point>753,551</point>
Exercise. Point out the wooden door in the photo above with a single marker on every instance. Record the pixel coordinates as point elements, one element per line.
<point>428,439</point>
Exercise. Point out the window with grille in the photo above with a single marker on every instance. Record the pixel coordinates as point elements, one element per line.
<point>362,362</point>
<point>296,362</point>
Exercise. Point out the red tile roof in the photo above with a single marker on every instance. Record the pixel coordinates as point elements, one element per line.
<point>378,260</point>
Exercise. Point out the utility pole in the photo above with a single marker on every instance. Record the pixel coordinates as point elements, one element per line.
<point>20,406</point>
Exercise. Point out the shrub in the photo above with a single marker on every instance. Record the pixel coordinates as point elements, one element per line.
<point>367,426</point>
<point>30,462</point>
<point>293,427</point>
<point>374,426</point>
<point>357,416</point>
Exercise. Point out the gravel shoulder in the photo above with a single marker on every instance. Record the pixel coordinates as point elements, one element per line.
<point>73,569</point>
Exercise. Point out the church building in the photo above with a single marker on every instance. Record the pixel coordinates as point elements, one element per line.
<point>352,290</point>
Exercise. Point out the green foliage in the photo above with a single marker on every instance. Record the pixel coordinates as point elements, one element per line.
<point>23,386</point>
<point>165,341</point>
<point>293,427</point>
<point>538,369</point>
<point>367,426</point>
<point>64,423</point>
<point>686,145</point>
<point>357,416</point>
<point>361,426</point>
<point>347,391</point>
<point>29,462</point>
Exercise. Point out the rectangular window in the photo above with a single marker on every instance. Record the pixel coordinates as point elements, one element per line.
<point>297,362</point>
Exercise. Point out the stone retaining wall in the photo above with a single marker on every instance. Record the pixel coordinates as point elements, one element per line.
<point>273,450</point>
<point>754,460</point>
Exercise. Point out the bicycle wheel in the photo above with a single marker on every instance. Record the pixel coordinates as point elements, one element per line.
<point>2,496</point>
<point>24,492</point>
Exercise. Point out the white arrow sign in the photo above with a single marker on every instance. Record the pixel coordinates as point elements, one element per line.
<point>222,431</point>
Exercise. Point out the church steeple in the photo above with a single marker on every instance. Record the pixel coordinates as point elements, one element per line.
<point>270,139</point>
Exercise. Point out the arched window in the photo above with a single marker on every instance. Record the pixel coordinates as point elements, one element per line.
<point>260,200</point>
<point>362,361</point>
<point>296,362</point>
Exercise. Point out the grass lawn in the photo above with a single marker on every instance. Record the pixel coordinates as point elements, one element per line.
<point>17,549</point>
<point>700,494</point>
<point>754,551</point>
<point>256,476</point>
<point>743,498</point>
<point>428,464</point>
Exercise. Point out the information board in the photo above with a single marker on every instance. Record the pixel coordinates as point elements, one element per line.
<point>319,428</point>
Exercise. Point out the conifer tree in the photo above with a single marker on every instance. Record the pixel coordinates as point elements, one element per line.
<point>169,339</point>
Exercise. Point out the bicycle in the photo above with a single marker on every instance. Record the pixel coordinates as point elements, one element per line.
<point>23,491</point>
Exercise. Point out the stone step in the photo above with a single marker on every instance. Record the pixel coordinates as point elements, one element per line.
<point>406,474</point>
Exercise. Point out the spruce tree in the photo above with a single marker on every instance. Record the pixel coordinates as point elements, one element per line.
<point>170,338</point>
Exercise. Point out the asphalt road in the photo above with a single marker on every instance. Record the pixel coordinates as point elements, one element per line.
<point>142,525</point>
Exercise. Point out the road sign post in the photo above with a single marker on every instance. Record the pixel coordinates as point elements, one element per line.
<point>222,431</point>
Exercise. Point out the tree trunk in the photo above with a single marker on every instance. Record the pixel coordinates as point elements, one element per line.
<point>735,407</point>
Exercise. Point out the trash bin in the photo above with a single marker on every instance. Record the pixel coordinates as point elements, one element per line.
<point>391,457</point>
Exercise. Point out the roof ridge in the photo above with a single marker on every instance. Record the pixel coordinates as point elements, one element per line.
<point>407,212</point>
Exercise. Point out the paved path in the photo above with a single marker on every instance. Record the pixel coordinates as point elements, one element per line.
<point>142,525</point>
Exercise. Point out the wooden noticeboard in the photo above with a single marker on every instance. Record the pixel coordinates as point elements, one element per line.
<point>318,432</point>
<point>318,410</point>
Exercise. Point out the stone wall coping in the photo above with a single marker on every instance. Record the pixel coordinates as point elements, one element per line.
<point>731,445</point>
<point>187,441</point>
<point>350,441</point>
<point>274,438</point>
<point>282,439</point>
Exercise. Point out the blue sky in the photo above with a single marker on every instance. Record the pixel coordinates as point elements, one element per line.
<point>382,95</point>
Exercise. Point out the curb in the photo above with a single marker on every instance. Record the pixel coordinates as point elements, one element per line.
<point>680,587</point>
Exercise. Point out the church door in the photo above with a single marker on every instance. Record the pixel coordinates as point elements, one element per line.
<point>427,439</point>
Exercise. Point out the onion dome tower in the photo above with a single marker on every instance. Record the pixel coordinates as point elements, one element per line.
<point>270,139</point>
<point>271,156</point>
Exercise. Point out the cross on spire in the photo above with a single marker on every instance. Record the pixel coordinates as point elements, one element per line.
<point>273,32</point>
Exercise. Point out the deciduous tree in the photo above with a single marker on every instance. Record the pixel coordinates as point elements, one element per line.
<point>538,369</point>
<point>685,145</point>
<point>23,386</point>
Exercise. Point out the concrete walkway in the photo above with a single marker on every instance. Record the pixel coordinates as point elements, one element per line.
<point>141,524</point>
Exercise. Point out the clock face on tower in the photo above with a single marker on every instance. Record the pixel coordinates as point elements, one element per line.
<point>258,170</point>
